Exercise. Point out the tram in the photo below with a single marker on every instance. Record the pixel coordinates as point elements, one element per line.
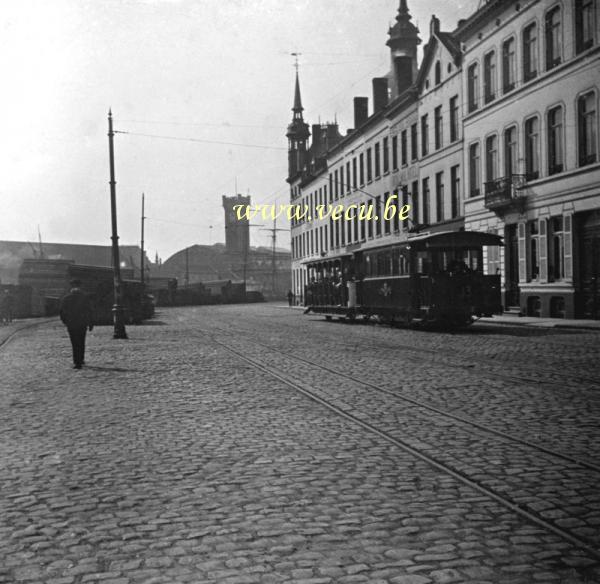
<point>427,280</point>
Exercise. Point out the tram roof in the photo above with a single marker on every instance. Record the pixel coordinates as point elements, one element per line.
<point>453,239</point>
<point>325,259</point>
<point>440,240</point>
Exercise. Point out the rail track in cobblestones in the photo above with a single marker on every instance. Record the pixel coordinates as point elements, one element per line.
<point>463,477</point>
<point>6,340</point>
<point>567,379</point>
<point>429,407</point>
<point>452,354</point>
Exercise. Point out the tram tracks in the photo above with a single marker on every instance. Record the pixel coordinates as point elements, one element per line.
<point>434,409</point>
<point>13,334</point>
<point>526,502</point>
<point>546,374</point>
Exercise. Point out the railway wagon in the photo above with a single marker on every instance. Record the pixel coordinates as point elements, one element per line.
<point>427,280</point>
<point>49,279</point>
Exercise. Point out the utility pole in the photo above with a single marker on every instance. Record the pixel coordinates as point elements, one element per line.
<point>246,252</point>
<point>187,266</point>
<point>40,241</point>
<point>274,231</point>
<point>118,317</point>
<point>142,244</point>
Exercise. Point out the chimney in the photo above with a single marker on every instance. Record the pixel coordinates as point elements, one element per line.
<point>317,140</point>
<point>361,111</point>
<point>380,93</point>
<point>434,25</point>
<point>404,73</point>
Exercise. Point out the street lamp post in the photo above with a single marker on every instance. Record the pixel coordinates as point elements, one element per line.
<point>118,317</point>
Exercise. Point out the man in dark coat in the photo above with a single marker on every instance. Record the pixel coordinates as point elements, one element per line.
<point>76,314</point>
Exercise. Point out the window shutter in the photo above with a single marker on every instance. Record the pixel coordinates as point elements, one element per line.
<point>568,243</point>
<point>548,37</point>
<point>578,27</point>
<point>522,253</point>
<point>543,250</point>
<point>526,54</point>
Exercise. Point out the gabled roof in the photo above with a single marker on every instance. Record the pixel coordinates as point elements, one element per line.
<point>451,44</point>
<point>447,40</point>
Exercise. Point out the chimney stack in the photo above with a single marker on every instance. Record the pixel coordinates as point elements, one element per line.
<point>434,25</point>
<point>361,111</point>
<point>380,93</point>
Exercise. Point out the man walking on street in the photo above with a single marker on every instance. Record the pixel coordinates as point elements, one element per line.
<point>76,315</point>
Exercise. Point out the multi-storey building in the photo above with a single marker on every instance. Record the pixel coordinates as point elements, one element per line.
<point>496,131</point>
<point>532,81</point>
<point>439,84</point>
<point>374,162</point>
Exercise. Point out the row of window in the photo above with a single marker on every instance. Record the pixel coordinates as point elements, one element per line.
<point>555,145</point>
<point>438,128</point>
<point>426,208</point>
<point>346,232</point>
<point>553,41</point>
<point>378,159</point>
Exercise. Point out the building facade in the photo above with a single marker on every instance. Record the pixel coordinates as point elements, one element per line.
<point>496,130</point>
<point>361,172</point>
<point>532,81</point>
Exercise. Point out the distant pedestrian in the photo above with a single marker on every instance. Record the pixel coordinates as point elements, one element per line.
<point>290,297</point>
<point>7,308</point>
<point>76,315</point>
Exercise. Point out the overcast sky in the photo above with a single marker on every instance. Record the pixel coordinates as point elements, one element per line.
<point>217,70</point>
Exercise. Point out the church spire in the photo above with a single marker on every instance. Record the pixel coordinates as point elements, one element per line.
<point>297,134</point>
<point>297,109</point>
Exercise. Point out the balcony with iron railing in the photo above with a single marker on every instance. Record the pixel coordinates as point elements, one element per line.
<point>505,192</point>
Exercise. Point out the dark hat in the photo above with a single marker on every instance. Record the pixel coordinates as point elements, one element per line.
<point>75,283</point>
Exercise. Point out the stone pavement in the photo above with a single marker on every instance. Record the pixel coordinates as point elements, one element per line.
<point>171,459</point>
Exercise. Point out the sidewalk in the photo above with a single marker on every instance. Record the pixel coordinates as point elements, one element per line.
<point>504,319</point>
<point>513,320</point>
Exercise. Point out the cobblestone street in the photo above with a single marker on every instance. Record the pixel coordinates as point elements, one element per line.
<point>254,444</point>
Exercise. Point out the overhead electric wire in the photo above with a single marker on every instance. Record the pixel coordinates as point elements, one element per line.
<point>207,124</point>
<point>201,140</point>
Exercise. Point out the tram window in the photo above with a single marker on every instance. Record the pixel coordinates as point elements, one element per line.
<point>423,262</point>
<point>368,265</point>
<point>404,265</point>
<point>381,264</point>
<point>395,262</point>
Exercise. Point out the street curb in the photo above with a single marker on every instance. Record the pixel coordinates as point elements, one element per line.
<point>486,320</point>
<point>541,324</point>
